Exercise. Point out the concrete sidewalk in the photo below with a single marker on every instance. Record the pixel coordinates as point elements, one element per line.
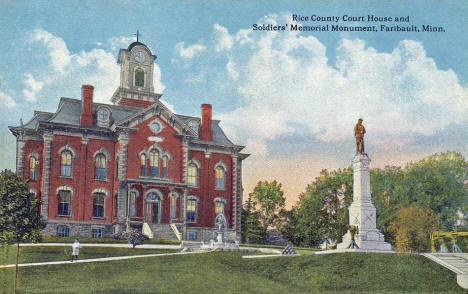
<point>96,259</point>
<point>115,245</point>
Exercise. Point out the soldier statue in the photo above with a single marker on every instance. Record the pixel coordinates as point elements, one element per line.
<point>359,132</point>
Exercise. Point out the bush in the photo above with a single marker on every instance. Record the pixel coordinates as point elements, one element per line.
<point>412,228</point>
<point>133,237</point>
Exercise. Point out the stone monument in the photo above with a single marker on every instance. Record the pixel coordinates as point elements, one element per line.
<point>362,212</point>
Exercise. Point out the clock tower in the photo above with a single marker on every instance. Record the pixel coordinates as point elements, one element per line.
<point>136,76</point>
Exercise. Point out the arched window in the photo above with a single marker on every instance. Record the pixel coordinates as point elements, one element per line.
<point>219,207</point>
<point>33,168</point>
<point>64,202</point>
<point>139,77</point>
<point>174,197</point>
<point>220,177</point>
<point>165,163</point>
<point>143,165</point>
<point>192,210</point>
<point>192,174</point>
<point>98,204</point>
<point>101,166</point>
<point>154,163</point>
<point>133,204</point>
<point>66,163</point>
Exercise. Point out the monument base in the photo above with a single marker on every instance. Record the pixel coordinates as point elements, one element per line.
<point>366,240</point>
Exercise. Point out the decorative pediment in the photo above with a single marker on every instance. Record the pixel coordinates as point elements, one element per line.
<point>164,113</point>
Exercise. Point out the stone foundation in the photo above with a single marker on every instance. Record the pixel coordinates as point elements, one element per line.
<point>79,229</point>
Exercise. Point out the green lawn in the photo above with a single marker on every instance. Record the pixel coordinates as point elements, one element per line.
<point>55,253</point>
<point>227,272</point>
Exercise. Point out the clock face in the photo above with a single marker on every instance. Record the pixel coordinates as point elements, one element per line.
<point>140,56</point>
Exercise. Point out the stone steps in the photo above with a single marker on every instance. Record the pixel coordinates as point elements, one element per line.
<point>163,231</point>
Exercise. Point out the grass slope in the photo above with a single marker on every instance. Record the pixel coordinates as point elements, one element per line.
<point>227,272</point>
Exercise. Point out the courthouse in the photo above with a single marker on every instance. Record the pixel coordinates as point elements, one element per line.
<point>104,168</point>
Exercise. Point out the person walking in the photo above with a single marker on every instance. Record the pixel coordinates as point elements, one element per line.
<point>75,250</point>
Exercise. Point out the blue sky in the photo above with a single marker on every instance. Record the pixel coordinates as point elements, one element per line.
<point>291,97</point>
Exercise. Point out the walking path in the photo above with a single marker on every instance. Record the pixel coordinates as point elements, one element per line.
<point>96,259</point>
<point>115,245</point>
<point>456,262</point>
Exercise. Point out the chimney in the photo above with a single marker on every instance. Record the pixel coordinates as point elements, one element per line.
<point>87,105</point>
<point>206,129</point>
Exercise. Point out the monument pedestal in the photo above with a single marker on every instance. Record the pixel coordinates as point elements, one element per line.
<point>362,212</point>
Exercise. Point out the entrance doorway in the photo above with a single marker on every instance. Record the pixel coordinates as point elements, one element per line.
<point>155,212</point>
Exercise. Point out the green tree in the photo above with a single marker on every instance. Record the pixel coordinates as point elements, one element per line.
<point>436,182</point>
<point>252,231</point>
<point>321,212</point>
<point>412,228</point>
<point>269,202</point>
<point>19,217</point>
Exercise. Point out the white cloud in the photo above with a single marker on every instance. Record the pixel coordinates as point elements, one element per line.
<point>98,43</point>
<point>120,42</point>
<point>32,87</point>
<point>190,51</point>
<point>58,51</point>
<point>6,100</point>
<point>286,82</point>
<point>223,40</point>
<point>97,67</point>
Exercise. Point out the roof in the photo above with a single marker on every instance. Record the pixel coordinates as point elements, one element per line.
<point>69,113</point>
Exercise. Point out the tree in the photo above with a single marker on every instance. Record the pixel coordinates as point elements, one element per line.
<point>20,220</point>
<point>269,202</point>
<point>252,231</point>
<point>321,212</point>
<point>412,228</point>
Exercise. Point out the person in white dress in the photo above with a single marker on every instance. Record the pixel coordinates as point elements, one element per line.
<point>75,250</point>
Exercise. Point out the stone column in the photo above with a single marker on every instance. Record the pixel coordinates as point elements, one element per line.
<point>362,212</point>
<point>48,137</point>
<point>121,175</point>
<point>123,139</point>
<point>184,214</point>
<point>20,143</point>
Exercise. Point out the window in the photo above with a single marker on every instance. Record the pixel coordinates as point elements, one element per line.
<point>133,204</point>
<point>64,202</point>
<point>143,164</point>
<point>139,78</point>
<point>101,168</point>
<point>98,204</point>
<point>66,163</point>
<point>192,235</point>
<point>97,232</point>
<point>165,166</point>
<point>192,175</point>
<point>219,207</point>
<point>192,210</point>
<point>154,163</point>
<point>220,178</point>
<point>63,231</point>
<point>32,167</point>
<point>174,207</point>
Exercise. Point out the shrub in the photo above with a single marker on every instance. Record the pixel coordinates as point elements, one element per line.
<point>412,228</point>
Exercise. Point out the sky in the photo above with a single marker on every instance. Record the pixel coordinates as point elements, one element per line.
<point>291,97</point>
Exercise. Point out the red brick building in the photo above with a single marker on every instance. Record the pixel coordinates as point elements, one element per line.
<point>102,168</point>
